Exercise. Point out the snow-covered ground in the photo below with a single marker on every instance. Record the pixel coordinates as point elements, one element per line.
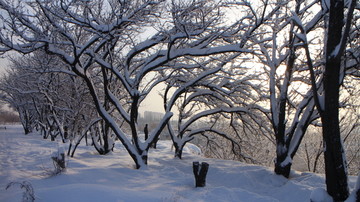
<point>91,177</point>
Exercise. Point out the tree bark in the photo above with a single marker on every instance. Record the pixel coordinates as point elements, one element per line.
<point>200,172</point>
<point>335,162</point>
<point>69,149</point>
<point>280,167</point>
<point>178,150</point>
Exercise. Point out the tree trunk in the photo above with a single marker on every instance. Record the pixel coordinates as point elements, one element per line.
<point>281,167</point>
<point>27,126</point>
<point>69,149</point>
<point>154,144</point>
<point>106,135</point>
<point>335,162</point>
<point>76,145</point>
<point>200,172</point>
<point>178,150</point>
<point>27,130</point>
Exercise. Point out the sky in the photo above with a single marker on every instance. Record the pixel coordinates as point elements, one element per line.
<point>3,65</point>
<point>153,102</point>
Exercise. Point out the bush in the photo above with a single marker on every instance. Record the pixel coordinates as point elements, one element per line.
<point>28,195</point>
<point>59,163</point>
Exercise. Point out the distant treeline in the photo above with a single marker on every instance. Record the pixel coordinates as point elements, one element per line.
<point>8,117</point>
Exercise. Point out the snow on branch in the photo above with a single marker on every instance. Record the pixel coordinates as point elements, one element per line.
<point>190,83</point>
<point>211,112</point>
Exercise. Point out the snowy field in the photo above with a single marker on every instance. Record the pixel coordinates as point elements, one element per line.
<point>91,177</point>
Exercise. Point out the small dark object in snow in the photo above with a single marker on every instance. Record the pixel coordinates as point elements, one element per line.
<point>200,171</point>
<point>59,161</point>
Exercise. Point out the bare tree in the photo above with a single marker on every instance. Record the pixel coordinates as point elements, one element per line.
<point>17,93</point>
<point>198,97</point>
<point>327,103</point>
<point>8,116</point>
<point>291,101</point>
<point>335,162</point>
<point>61,105</point>
<point>103,40</point>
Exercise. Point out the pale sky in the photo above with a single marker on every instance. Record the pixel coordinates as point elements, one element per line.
<point>153,102</point>
<point>3,65</point>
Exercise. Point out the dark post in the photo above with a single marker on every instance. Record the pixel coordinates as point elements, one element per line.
<point>65,132</point>
<point>62,161</point>
<point>200,172</point>
<point>52,133</point>
<point>146,131</point>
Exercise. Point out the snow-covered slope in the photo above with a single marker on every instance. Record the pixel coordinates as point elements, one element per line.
<point>91,177</point>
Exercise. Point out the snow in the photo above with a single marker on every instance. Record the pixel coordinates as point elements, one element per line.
<point>287,161</point>
<point>336,51</point>
<point>352,196</point>
<point>321,101</point>
<point>210,112</point>
<point>320,195</point>
<point>91,177</point>
<point>297,20</point>
<point>325,4</point>
<point>192,149</point>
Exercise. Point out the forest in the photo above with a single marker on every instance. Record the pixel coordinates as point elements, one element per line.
<point>268,82</point>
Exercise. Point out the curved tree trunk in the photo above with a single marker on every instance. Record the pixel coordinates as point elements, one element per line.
<point>178,150</point>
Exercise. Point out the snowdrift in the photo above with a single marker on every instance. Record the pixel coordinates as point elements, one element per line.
<point>91,177</point>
